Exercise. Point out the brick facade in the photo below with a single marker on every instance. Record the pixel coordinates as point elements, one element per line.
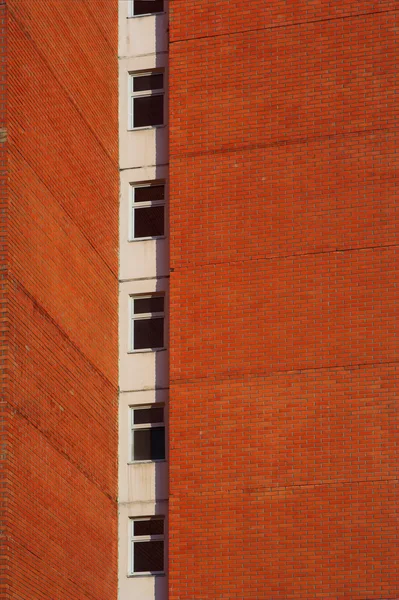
<point>283,339</point>
<point>4,328</point>
<point>61,387</point>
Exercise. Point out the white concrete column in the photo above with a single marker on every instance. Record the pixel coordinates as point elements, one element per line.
<point>144,271</point>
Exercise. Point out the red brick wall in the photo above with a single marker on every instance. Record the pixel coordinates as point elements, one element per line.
<point>4,321</point>
<point>62,235</point>
<point>283,460</point>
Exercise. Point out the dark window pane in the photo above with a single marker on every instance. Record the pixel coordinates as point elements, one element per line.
<point>148,305</point>
<point>158,443</point>
<point>142,445</point>
<point>148,111</point>
<point>148,415</point>
<point>149,444</point>
<point>149,193</point>
<point>148,556</point>
<point>146,83</point>
<point>144,7</point>
<point>149,222</point>
<point>148,333</point>
<point>148,527</point>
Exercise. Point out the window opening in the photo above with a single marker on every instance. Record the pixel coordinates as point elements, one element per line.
<point>148,211</point>
<point>146,99</point>
<point>148,433</point>
<point>147,545</point>
<point>145,7</point>
<point>147,322</point>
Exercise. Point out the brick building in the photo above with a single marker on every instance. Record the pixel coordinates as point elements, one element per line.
<point>283,300</point>
<point>253,377</point>
<point>59,253</point>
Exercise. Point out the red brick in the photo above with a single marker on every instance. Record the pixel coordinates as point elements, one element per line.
<point>60,380</point>
<point>283,308</point>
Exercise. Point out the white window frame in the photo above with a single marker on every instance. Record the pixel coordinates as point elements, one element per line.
<point>154,315</point>
<point>131,14</point>
<point>146,538</point>
<point>145,94</point>
<point>134,427</point>
<point>138,205</point>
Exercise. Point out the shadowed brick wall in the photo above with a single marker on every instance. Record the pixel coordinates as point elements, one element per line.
<point>4,404</point>
<point>283,349</point>
<point>62,302</point>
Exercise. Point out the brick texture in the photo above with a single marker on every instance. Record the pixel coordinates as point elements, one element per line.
<point>4,321</point>
<point>283,307</point>
<point>61,320</point>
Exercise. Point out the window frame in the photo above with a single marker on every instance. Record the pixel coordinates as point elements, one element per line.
<point>155,315</point>
<point>145,94</point>
<point>131,14</point>
<point>133,206</point>
<point>146,538</point>
<point>139,427</point>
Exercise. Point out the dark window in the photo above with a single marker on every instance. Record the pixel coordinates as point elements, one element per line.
<point>145,7</point>
<point>148,82</point>
<point>148,217</point>
<point>149,193</point>
<point>148,545</point>
<point>148,323</point>
<point>148,527</point>
<point>149,444</point>
<point>148,111</point>
<point>148,333</point>
<point>143,416</point>
<point>148,433</point>
<point>148,556</point>
<point>147,96</point>
<point>148,304</point>
<point>149,222</point>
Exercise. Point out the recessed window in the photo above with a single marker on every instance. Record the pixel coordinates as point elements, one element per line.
<point>147,545</point>
<point>145,7</point>
<point>148,211</point>
<point>147,322</point>
<point>146,99</point>
<point>148,433</point>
